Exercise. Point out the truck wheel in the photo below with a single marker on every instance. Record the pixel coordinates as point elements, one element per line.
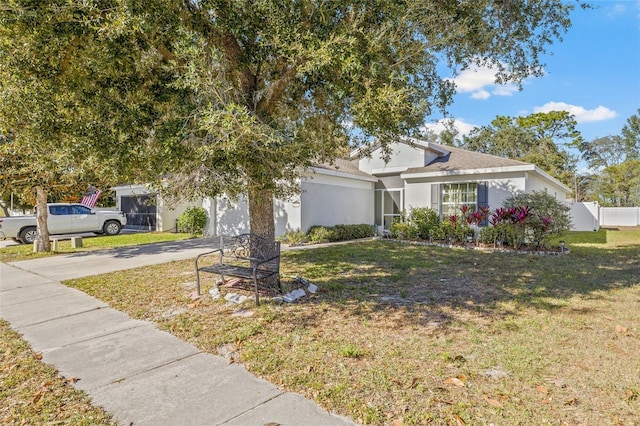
<point>111,227</point>
<point>28,235</point>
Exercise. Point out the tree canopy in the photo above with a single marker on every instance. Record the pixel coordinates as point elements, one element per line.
<point>613,150</point>
<point>615,160</point>
<point>238,97</point>
<point>534,139</point>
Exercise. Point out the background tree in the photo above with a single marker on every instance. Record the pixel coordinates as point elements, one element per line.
<point>69,99</point>
<point>619,185</point>
<point>631,136</point>
<point>613,159</point>
<point>239,97</point>
<point>533,139</point>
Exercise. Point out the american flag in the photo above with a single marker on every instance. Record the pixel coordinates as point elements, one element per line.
<point>91,198</point>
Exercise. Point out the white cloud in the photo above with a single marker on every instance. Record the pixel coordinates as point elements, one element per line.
<point>439,126</point>
<point>480,94</point>
<point>480,82</point>
<point>505,90</point>
<point>581,114</point>
<point>617,9</point>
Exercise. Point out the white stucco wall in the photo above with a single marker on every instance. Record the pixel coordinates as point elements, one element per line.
<point>329,200</point>
<point>418,191</point>
<point>287,215</point>
<point>403,156</point>
<point>503,188</point>
<point>538,183</point>
<point>232,217</point>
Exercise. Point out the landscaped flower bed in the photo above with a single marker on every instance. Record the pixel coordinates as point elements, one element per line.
<point>525,224</point>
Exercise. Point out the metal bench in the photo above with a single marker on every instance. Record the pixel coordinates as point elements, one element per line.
<point>247,256</point>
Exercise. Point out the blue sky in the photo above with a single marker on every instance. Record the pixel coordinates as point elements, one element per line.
<point>594,73</point>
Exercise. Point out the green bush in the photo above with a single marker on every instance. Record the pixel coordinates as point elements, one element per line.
<point>403,231</point>
<point>292,237</point>
<point>425,221</point>
<point>193,220</point>
<point>549,216</point>
<point>320,234</point>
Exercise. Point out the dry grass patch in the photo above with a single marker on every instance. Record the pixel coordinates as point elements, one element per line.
<point>32,393</point>
<point>427,334</point>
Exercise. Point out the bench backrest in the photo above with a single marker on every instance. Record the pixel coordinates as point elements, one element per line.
<point>253,247</point>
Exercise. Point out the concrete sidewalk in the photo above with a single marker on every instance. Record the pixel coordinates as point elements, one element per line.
<point>143,376</point>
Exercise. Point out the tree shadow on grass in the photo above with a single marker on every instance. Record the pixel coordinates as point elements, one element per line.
<point>439,285</point>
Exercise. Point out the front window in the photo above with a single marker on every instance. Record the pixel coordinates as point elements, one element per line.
<point>455,195</point>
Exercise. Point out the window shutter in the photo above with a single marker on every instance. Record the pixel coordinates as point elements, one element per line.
<point>435,197</point>
<point>483,198</point>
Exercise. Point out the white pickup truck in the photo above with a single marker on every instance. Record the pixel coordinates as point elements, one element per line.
<point>63,219</point>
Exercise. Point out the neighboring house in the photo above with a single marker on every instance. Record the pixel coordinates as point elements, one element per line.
<point>370,190</point>
<point>145,210</point>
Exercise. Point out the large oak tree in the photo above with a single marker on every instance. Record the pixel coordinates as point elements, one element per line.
<point>262,89</point>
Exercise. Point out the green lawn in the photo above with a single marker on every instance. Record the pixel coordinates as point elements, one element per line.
<point>417,334</point>
<point>25,251</point>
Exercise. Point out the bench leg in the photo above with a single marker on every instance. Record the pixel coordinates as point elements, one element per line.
<point>197,278</point>
<point>255,285</point>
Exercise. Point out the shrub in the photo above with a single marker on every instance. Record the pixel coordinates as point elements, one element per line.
<point>354,232</point>
<point>547,217</point>
<point>320,234</point>
<point>292,237</point>
<point>193,220</point>
<point>425,222</point>
<point>403,231</point>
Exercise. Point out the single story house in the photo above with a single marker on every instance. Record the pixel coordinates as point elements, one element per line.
<point>368,189</point>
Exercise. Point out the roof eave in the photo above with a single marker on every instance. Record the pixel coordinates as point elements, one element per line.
<point>347,175</point>
<point>487,170</point>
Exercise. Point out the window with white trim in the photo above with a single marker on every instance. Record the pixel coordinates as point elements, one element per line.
<point>455,195</point>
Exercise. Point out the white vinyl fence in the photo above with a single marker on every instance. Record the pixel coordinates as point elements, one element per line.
<point>620,216</point>
<point>591,216</point>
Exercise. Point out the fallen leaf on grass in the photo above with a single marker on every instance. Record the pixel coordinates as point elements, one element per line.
<point>36,397</point>
<point>631,395</point>
<point>542,389</point>
<point>195,304</point>
<point>398,422</point>
<point>459,420</point>
<point>493,402</point>
<point>454,381</point>
<point>621,329</point>
<point>38,356</point>
<point>413,383</point>
<point>444,401</point>
<point>572,401</point>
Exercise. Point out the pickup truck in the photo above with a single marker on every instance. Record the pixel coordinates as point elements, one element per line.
<point>63,219</point>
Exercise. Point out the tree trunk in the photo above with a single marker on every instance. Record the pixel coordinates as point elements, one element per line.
<point>261,221</point>
<point>42,243</point>
<point>5,209</point>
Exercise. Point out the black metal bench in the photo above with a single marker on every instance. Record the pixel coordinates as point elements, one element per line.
<point>247,256</point>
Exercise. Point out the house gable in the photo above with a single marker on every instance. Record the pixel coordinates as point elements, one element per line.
<point>405,154</point>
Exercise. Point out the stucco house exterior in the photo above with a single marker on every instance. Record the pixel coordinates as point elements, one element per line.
<point>366,189</point>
